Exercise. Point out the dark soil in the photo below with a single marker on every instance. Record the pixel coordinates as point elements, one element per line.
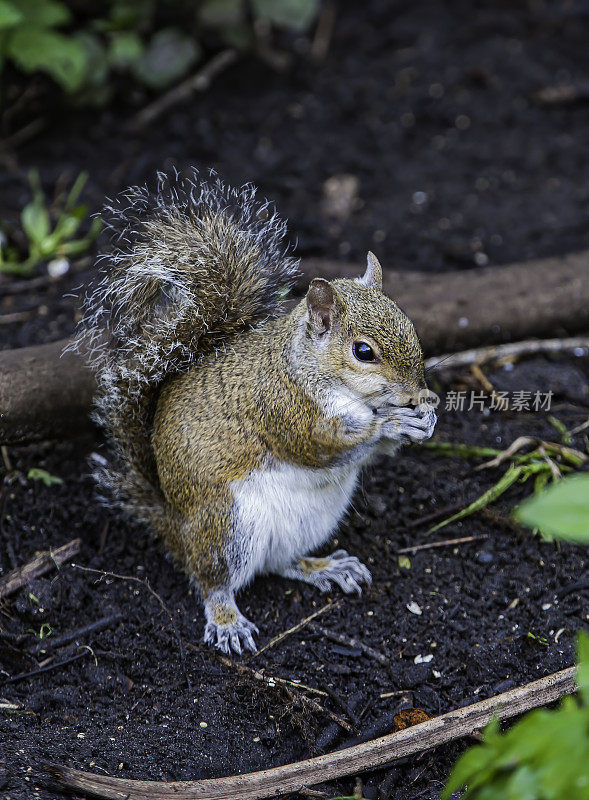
<point>135,705</point>
<point>429,105</point>
<point>504,179</point>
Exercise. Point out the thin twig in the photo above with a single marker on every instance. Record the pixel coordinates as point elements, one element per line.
<point>289,687</point>
<point>198,82</point>
<point>440,512</point>
<point>18,316</point>
<point>6,460</point>
<point>269,679</point>
<point>579,428</point>
<point>38,566</point>
<point>30,130</point>
<point>323,31</point>
<point>482,378</point>
<point>443,543</point>
<point>517,444</point>
<point>525,441</point>
<point>349,641</point>
<point>53,642</point>
<point>479,355</point>
<point>48,668</point>
<point>29,284</point>
<point>350,761</point>
<point>296,627</point>
<point>556,473</point>
<point>145,583</point>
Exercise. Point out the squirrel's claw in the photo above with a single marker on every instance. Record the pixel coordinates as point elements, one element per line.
<point>344,570</point>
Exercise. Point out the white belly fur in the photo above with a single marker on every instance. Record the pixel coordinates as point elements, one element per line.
<point>284,512</point>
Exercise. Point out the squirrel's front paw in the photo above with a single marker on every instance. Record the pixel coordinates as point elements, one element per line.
<point>228,629</point>
<point>406,424</point>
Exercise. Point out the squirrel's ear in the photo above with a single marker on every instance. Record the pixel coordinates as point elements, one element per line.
<point>323,304</point>
<point>373,275</point>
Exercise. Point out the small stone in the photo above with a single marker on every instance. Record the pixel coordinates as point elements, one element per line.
<point>58,267</point>
<point>204,725</point>
<point>423,659</point>
<point>484,557</point>
<point>414,608</point>
<point>340,193</point>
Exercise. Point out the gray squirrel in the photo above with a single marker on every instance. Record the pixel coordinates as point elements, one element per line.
<point>239,431</point>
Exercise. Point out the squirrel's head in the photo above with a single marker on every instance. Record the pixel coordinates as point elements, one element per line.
<point>359,335</point>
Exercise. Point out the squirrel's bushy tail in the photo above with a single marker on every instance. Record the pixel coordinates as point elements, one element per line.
<point>190,265</point>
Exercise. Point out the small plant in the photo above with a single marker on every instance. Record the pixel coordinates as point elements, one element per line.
<point>559,512</point>
<point>50,235</point>
<point>544,756</point>
<point>545,462</point>
<point>37,474</point>
<point>82,48</point>
<point>44,632</point>
<point>28,38</point>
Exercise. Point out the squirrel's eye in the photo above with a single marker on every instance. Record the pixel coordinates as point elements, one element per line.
<point>363,352</point>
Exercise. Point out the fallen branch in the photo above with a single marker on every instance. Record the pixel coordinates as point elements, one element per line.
<point>351,761</point>
<point>38,566</point>
<point>480,355</point>
<point>46,395</point>
<point>198,82</point>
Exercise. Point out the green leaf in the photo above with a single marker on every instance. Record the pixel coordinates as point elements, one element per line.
<point>561,511</point>
<point>35,222</point>
<point>45,13</point>
<point>33,48</point>
<point>294,15</point>
<point>37,474</point>
<point>10,15</point>
<point>461,450</point>
<point>561,428</point>
<point>472,767</point>
<point>404,562</point>
<point>523,785</point>
<point>583,669</point>
<point>221,13</point>
<point>168,57</point>
<point>541,480</point>
<point>125,49</point>
<point>95,74</point>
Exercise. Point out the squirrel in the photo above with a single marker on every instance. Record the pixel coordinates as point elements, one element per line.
<point>238,431</point>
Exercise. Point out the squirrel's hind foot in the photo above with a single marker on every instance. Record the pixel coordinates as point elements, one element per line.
<point>339,568</point>
<point>227,628</point>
